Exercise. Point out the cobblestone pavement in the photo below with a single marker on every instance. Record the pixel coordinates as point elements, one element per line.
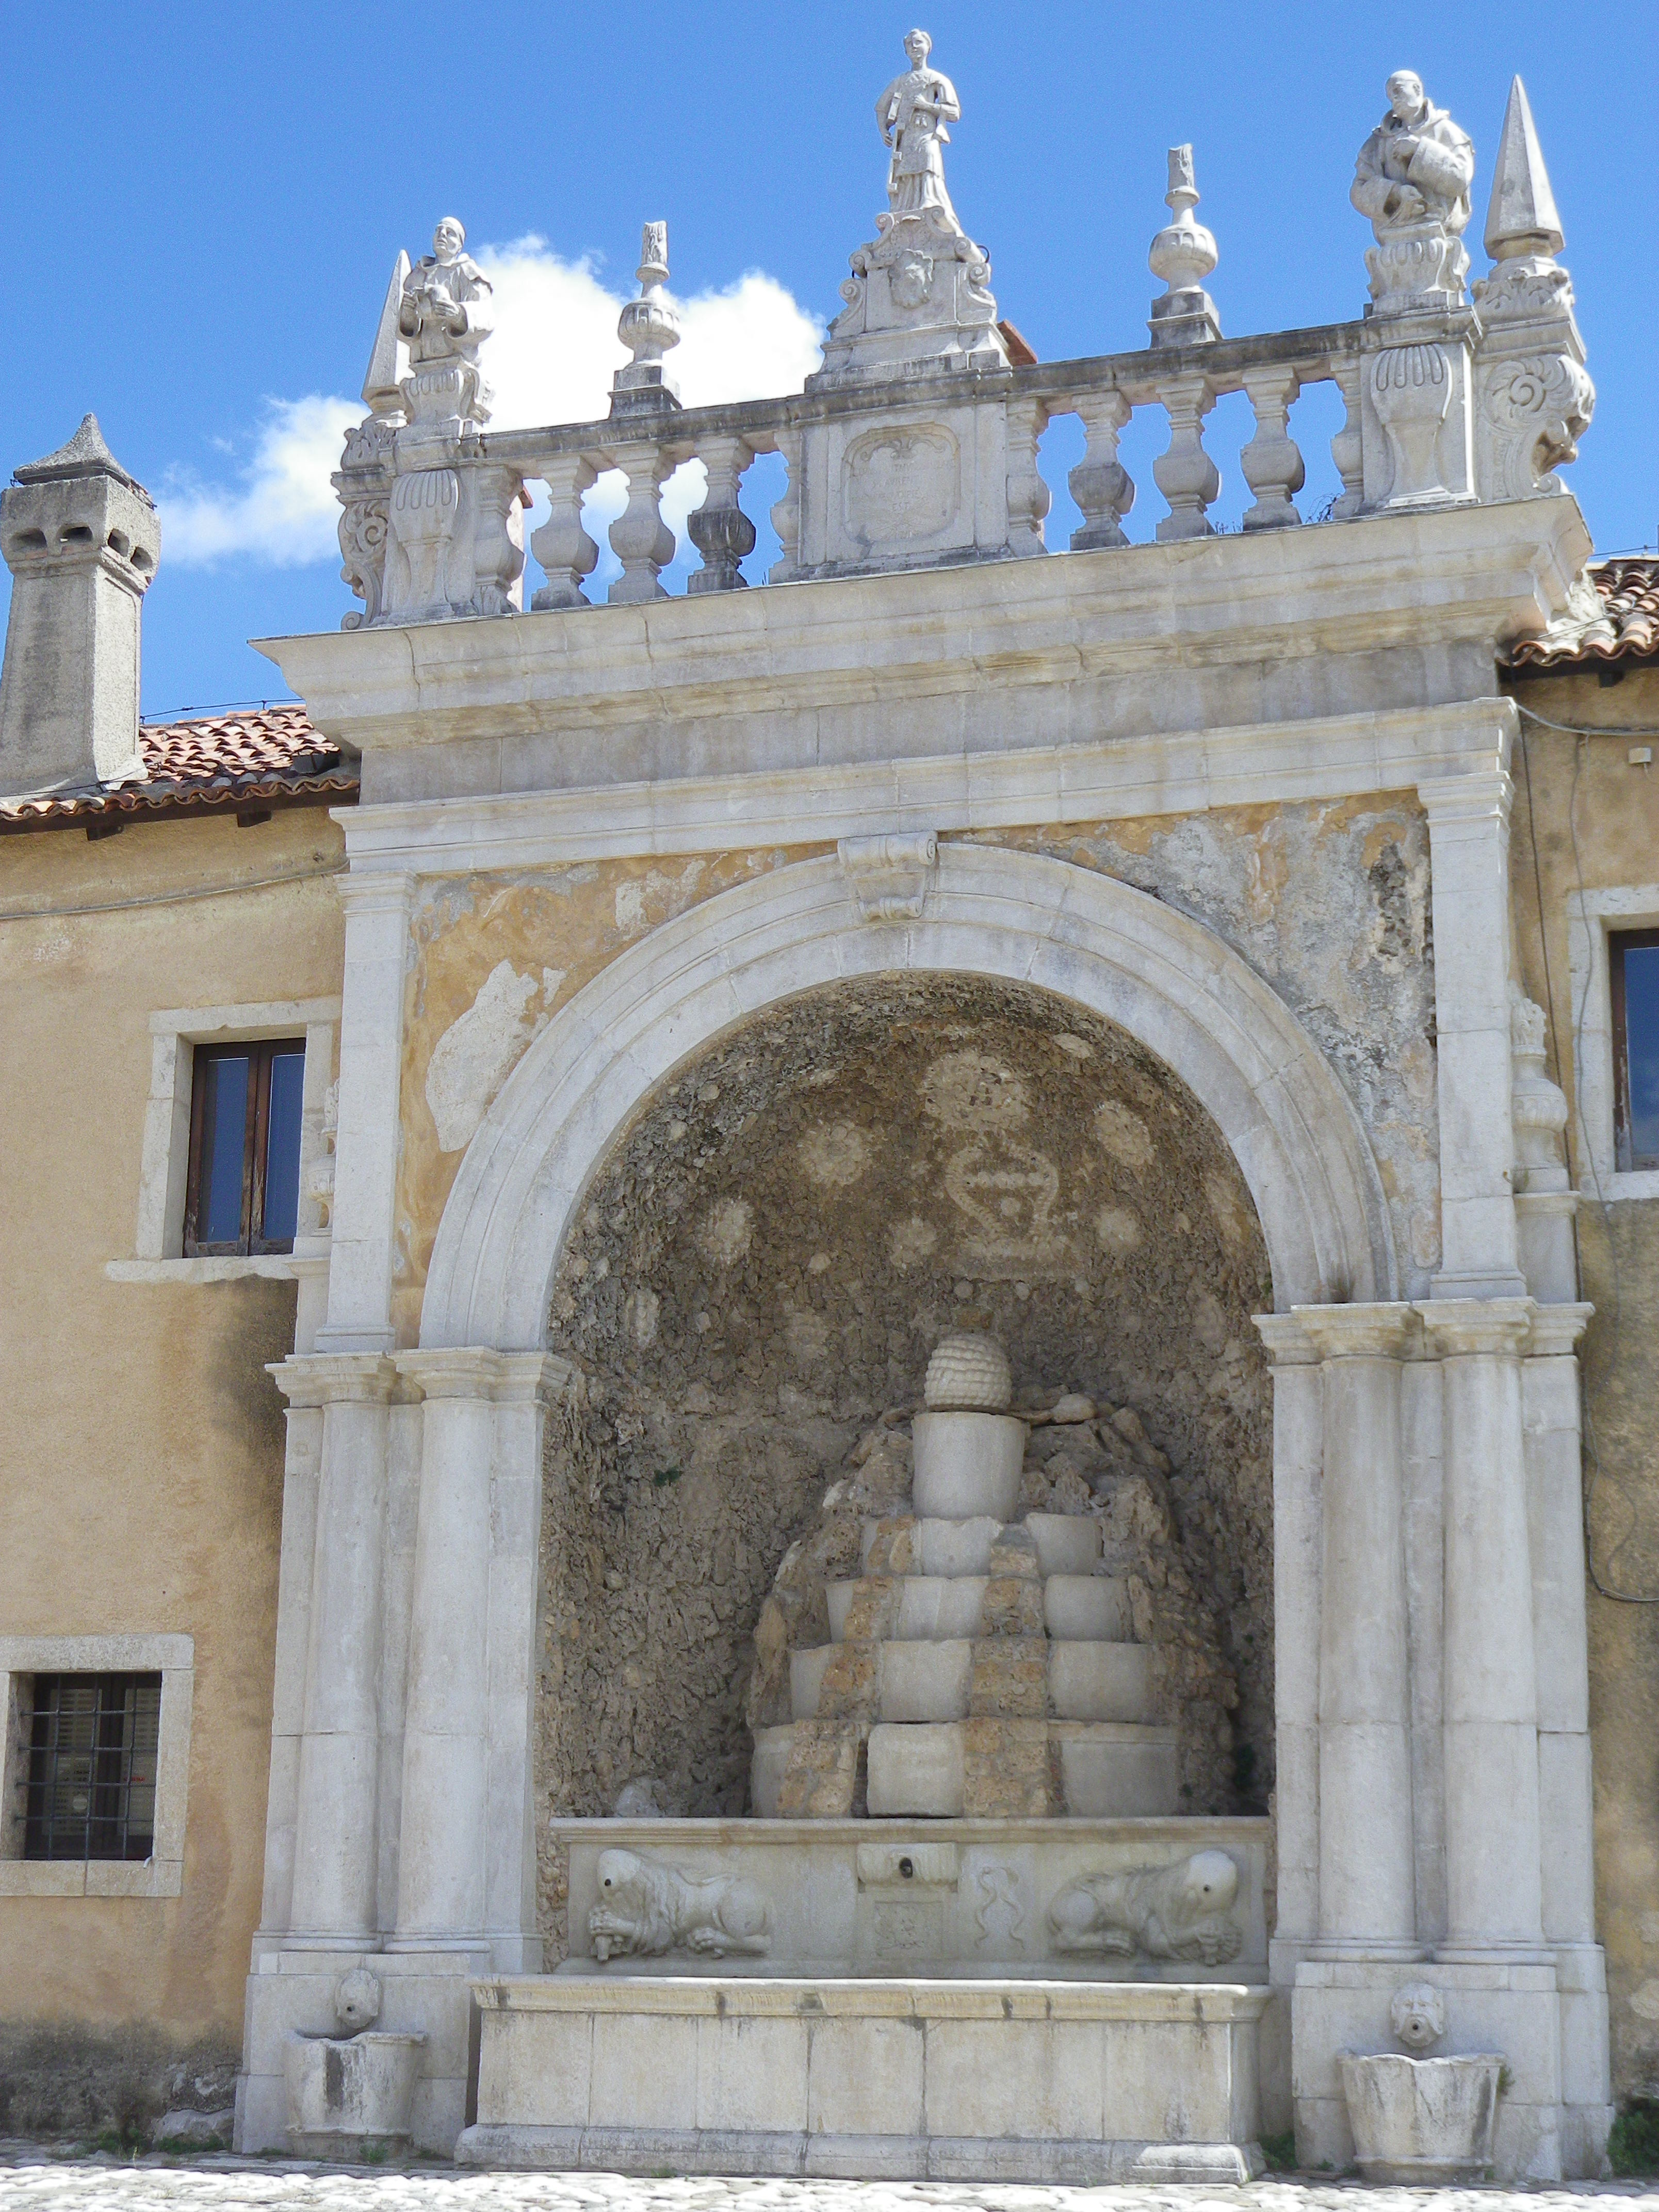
<point>34,2178</point>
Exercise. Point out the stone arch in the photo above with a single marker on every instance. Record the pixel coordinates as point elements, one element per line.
<point>1158,973</point>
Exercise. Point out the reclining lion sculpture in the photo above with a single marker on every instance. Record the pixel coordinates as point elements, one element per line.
<point>1178,1912</point>
<point>645,1908</point>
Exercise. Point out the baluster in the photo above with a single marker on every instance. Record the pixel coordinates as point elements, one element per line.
<point>1100,484</point>
<point>640,539</point>
<point>720,529</point>
<point>1271,462</point>
<point>786,515</point>
<point>1348,447</point>
<point>562,544</point>
<point>1029,497</point>
<point>1186,474</point>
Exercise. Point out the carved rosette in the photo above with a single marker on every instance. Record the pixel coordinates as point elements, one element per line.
<point>1535,411</point>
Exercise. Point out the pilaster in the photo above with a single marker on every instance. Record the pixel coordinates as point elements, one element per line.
<point>333,1900</point>
<point>1468,852</point>
<point>466,1851</point>
<point>367,1138</point>
<point>1367,1908</point>
<point>1493,1901</point>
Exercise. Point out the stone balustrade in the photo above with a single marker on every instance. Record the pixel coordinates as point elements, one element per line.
<point>927,471</point>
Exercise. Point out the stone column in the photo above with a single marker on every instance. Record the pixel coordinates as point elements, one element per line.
<point>466,1732</point>
<point>1494,1907</point>
<point>334,1861</point>
<point>1554,1451</point>
<point>1299,1446</point>
<point>1468,857</point>
<point>1366,1888</point>
<point>367,1136</point>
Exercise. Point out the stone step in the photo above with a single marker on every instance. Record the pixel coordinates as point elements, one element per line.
<point>913,1608</point>
<point>933,1681</point>
<point>1109,1770</point>
<point>1066,1544</point>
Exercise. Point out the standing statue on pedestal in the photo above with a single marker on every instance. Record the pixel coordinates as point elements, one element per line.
<point>1412,179</point>
<point>920,290</point>
<point>912,114</point>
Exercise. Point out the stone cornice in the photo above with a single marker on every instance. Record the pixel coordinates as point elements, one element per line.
<point>1334,757</point>
<point>1284,1337</point>
<point>962,646</point>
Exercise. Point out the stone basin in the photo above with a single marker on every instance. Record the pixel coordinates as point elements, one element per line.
<point>1422,2120</point>
<point>349,2094</point>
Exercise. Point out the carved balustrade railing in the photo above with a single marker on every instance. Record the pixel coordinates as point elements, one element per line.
<point>935,470</point>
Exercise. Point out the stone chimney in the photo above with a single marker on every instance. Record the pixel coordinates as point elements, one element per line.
<point>82,540</point>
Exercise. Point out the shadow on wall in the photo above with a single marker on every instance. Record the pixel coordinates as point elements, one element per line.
<point>762,1267</point>
<point>86,2083</point>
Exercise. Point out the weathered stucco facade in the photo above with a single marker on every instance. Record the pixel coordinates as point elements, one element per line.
<point>717,1003</point>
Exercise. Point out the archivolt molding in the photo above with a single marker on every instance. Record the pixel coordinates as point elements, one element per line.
<point>1162,976</point>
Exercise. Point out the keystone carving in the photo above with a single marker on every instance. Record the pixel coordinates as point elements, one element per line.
<point>890,876</point>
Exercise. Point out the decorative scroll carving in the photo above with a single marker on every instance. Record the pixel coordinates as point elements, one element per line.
<point>1180,1911</point>
<point>889,877</point>
<point>647,1907</point>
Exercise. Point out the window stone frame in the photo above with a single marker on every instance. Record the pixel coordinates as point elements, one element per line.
<point>1592,917</point>
<point>159,1239</point>
<point>162,1874</point>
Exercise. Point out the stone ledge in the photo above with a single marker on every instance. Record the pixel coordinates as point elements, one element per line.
<point>855,2157</point>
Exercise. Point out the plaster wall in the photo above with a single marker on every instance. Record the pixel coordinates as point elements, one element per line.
<point>1587,819</point>
<point>141,1441</point>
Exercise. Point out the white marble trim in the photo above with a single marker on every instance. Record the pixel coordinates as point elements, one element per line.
<point>1115,779</point>
<point>1083,936</point>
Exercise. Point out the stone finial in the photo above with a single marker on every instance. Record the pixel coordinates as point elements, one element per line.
<point>649,327</point>
<point>968,1373</point>
<point>1417,2015</point>
<point>1520,217</point>
<point>388,363</point>
<point>1183,253</point>
<point>82,540</point>
<point>356,2001</point>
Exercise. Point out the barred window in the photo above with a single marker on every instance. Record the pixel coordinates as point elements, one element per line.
<point>90,1791</point>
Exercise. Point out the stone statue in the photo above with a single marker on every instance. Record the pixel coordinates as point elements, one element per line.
<point>446,311</point>
<point>912,115</point>
<point>646,1907</point>
<point>1412,179</point>
<point>1179,1911</point>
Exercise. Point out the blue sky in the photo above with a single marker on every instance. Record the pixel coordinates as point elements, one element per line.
<point>205,202</point>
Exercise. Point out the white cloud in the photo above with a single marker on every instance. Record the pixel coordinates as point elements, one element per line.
<point>550,360</point>
<point>284,511</point>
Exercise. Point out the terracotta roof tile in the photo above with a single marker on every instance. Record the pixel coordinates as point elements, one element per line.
<point>1616,619</point>
<point>247,758</point>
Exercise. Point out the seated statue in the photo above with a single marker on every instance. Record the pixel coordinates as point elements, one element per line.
<point>447,310</point>
<point>1416,167</point>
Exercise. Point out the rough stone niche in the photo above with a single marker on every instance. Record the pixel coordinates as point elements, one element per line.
<point>758,1273</point>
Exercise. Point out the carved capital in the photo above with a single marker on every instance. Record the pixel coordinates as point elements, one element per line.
<point>1386,1331</point>
<point>1459,1328</point>
<point>335,1379</point>
<point>1288,1342</point>
<point>890,876</point>
<point>1556,1330</point>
